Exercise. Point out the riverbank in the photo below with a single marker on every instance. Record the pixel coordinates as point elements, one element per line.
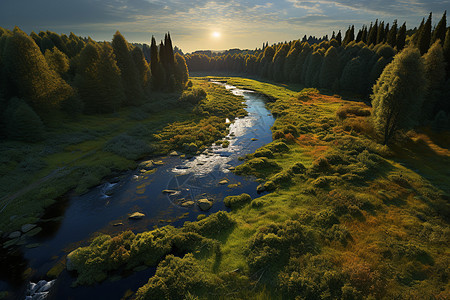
<point>346,217</point>
<point>78,154</point>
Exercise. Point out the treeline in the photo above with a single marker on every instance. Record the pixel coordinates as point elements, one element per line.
<point>43,73</point>
<point>349,63</point>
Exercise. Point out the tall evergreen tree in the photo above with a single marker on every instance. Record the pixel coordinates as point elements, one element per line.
<point>424,36</point>
<point>339,38</point>
<point>391,38</point>
<point>155,66</point>
<point>329,72</point>
<point>372,35</point>
<point>29,74</point>
<point>401,38</point>
<point>446,49</point>
<point>380,33</point>
<point>142,66</point>
<point>349,35</point>
<point>439,31</point>
<point>364,34</point>
<point>57,60</point>
<point>398,94</point>
<point>435,75</point>
<point>128,70</point>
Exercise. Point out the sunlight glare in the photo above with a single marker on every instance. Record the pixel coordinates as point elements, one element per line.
<point>216,34</point>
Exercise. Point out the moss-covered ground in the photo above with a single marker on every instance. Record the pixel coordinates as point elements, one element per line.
<point>78,153</point>
<point>345,218</point>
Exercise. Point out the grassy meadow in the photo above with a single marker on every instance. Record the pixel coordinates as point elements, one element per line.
<point>344,216</point>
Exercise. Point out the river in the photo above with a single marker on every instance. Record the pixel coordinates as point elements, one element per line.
<point>75,219</point>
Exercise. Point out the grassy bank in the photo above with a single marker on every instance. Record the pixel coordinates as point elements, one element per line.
<point>345,218</point>
<point>77,154</point>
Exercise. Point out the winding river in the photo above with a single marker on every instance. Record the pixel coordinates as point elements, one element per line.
<point>106,208</point>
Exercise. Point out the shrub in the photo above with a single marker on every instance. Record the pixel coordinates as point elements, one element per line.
<point>22,123</point>
<point>258,166</point>
<point>263,153</point>
<point>177,277</point>
<point>234,202</point>
<point>193,96</point>
<point>325,218</point>
<point>211,226</point>
<point>278,147</point>
<point>127,146</point>
<point>298,168</point>
<point>273,245</point>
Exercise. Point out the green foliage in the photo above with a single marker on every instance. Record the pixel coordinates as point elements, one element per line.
<point>129,72</point>
<point>398,93</point>
<point>29,75</point>
<point>127,146</point>
<point>193,96</point>
<point>235,202</point>
<point>259,167</point>
<point>212,226</point>
<point>424,36</point>
<point>22,123</point>
<point>57,60</point>
<point>330,68</point>
<point>177,277</point>
<point>273,245</point>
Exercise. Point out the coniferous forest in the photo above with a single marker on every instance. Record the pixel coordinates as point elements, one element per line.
<point>311,169</point>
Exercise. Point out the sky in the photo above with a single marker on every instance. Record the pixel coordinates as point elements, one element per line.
<point>210,25</point>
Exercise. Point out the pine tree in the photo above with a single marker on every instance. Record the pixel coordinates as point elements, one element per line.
<point>364,34</point>
<point>329,72</point>
<point>349,36</point>
<point>435,75</point>
<point>29,74</point>
<point>439,31</point>
<point>398,94</point>
<point>446,50</point>
<point>141,65</point>
<point>181,70</point>
<point>339,38</point>
<point>372,35</point>
<point>128,70</point>
<point>392,35</point>
<point>424,37</point>
<point>155,66</point>
<point>380,33</point>
<point>22,123</point>
<point>57,60</point>
<point>401,38</point>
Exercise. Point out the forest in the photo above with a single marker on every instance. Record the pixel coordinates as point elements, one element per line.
<point>135,171</point>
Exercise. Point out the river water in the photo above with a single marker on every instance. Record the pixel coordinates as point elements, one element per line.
<point>77,218</point>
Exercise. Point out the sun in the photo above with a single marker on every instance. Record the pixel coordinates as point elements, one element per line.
<point>216,34</point>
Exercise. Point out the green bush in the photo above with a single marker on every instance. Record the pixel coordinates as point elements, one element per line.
<point>211,226</point>
<point>177,277</point>
<point>234,202</point>
<point>193,96</point>
<point>273,245</point>
<point>260,167</point>
<point>127,146</point>
<point>298,168</point>
<point>22,123</point>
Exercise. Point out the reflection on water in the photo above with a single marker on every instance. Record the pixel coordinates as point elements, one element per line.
<point>106,208</point>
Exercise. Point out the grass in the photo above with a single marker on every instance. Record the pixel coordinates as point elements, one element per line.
<point>78,153</point>
<point>347,217</point>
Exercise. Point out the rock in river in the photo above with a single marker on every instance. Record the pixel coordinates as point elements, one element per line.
<point>187,203</point>
<point>27,227</point>
<point>169,191</point>
<point>14,234</point>
<point>224,181</point>
<point>204,204</point>
<point>136,216</point>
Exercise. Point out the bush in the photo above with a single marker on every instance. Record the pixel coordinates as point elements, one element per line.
<point>177,277</point>
<point>211,226</point>
<point>22,123</point>
<point>234,202</point>
<point>127,146</point>
<point>273,245</point>
<point>298,168</point>
<point>193,96</point>
<point>258,166</point>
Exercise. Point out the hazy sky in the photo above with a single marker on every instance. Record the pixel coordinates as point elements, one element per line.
<point>203,24</point>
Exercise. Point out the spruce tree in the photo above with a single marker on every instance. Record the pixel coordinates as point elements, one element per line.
<point>435,75</point>
<point>391,38</point>
<point>401,38</point>
<point>339,38</point>
<point>22,123</point>
<point>424,37</point>
<point>181,70</point>
<point>155,66</point>
<point>372,35</point>
<point>439,31</point>
<point>57,60</point>
<point>398,94</point>
<point>329,72</point>
<point>30,75</point>
<point>446,50</point>
<point>380,33</point>
<point>349,35</point>
<point>142,66</point>
<point>128,70</point>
